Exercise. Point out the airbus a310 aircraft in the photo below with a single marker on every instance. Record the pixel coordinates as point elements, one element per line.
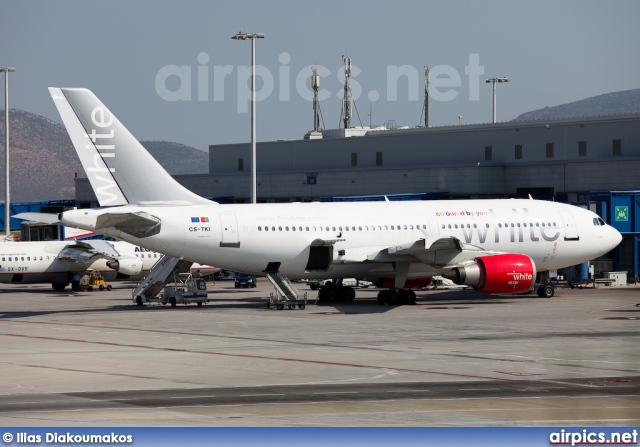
<point>56,262</point>
<point>495,246</point>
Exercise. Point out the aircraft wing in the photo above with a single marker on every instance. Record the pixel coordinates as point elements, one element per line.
<point>86,250</point>
<point>434,251</point>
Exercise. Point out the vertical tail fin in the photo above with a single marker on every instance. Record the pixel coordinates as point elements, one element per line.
<point>119,168</point>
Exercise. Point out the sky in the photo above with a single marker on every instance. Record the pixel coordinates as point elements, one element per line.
<point>169,70</point>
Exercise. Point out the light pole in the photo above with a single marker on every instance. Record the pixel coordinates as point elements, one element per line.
<point>7,201</point>
<point>494,81</point>
<point>253,37</point>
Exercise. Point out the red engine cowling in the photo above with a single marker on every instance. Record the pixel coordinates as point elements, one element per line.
<point>416,283</point>
<point>507,273</point>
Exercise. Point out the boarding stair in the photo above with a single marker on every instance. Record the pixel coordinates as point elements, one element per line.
<point>160,275</point>
<point>286,294</point>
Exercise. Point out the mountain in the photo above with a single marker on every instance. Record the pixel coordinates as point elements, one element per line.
<point>43,162</point>
<point>616,103</point>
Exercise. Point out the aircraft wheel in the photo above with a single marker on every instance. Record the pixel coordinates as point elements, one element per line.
<point>332,295</point>
<point>58,287</point>
<point>409,297</point>
<point>349,294</point>
<point>393,297</point>
<point>546,291</point>
<point>382,297</point>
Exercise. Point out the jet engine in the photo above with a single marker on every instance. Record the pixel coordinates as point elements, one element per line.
<point>506,273</point>
<point>126,266</point>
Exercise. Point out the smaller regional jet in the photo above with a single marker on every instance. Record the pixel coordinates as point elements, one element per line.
<point>56,262</point>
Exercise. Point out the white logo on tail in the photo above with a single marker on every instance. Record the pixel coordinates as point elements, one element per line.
<point>102,118</point>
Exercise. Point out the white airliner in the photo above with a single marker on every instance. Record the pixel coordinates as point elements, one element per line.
<point>56,262</point>
<point>495,246</point>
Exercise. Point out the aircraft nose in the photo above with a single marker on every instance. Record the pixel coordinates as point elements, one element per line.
<point>617,237</point>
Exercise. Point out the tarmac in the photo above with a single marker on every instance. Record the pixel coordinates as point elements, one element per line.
<point>456,358</point>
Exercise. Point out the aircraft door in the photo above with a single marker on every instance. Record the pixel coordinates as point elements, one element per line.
<point>229,228</point>
<point>570,229</point>
<point>433,228</point>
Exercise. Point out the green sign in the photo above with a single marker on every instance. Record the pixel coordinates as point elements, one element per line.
<point>622,213</point>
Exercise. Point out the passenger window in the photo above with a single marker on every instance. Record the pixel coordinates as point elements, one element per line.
<point>359,228</point>
<point>259,228</point>
<point>286,228</point>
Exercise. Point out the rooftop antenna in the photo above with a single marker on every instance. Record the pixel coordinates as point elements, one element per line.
<point>345,116</point>
<point>317,113</point>
<point>425,108</point>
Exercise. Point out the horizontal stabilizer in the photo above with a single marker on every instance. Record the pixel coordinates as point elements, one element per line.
<point>138,224</point>
<point>38,217</point>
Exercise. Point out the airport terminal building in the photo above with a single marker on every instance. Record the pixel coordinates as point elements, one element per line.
<point>592,161</point>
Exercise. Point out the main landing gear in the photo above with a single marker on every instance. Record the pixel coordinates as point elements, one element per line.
<point>395,296</point>
<point>331,292</point>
